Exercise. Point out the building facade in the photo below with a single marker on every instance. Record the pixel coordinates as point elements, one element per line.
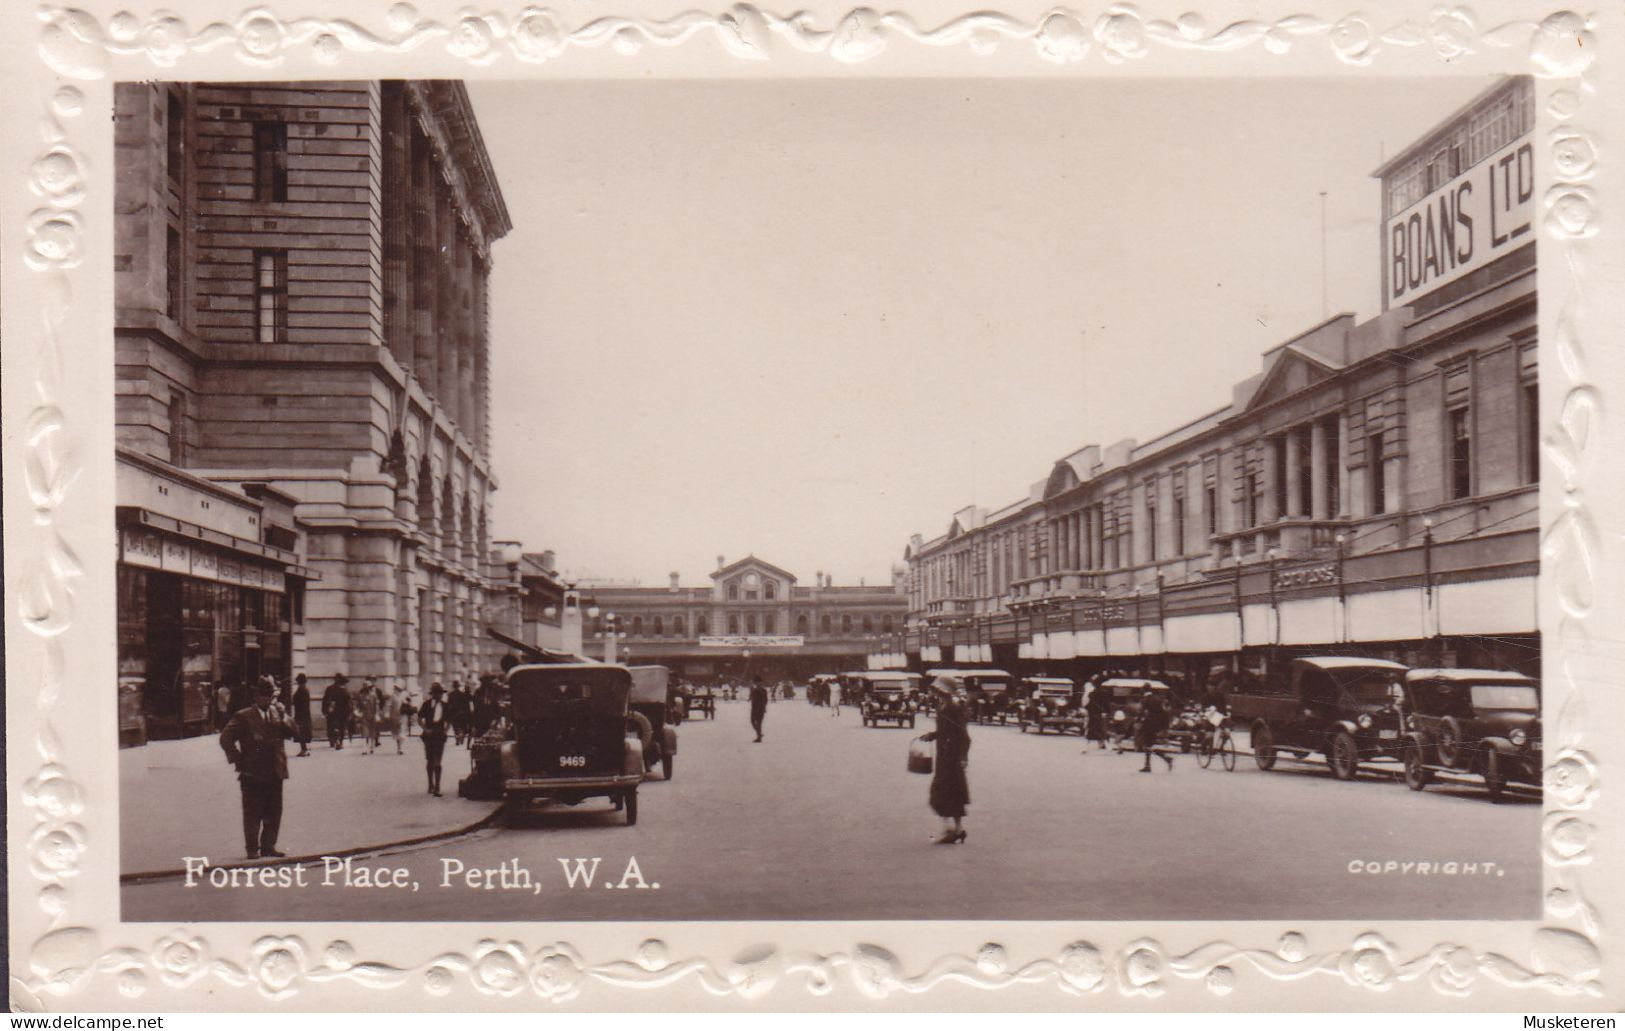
<point>1373,488</point>
<point>301,276</point>
<point>753,619</point>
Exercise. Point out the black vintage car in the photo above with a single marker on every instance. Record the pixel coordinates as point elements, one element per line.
<point>1347,708</point>
<point>651,708</point>
<point>571,737</point>
<point>1050,703</point>
<point>987,692</point>
<point>889,697</point>
<point>1480,721</point>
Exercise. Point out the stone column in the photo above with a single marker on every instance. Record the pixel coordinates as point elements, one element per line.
<point>1269,511</point>
<point>445,330</point>
<point>482,355</point>
<point>1345,500</point>
<point>424,264</point>
<point>465,332</point>
<point>1293,472</point>
<point>1317,469</point>
<point>396,146</point>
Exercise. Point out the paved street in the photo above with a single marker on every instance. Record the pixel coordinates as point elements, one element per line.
<point>822,821</point>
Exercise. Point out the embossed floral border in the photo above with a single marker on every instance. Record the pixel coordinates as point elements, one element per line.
<point>68,957</point>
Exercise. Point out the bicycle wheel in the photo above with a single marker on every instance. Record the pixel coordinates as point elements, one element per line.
<point>1227,752</point>
<point>1204,753</point>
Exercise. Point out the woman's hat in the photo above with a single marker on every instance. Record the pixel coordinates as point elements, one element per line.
<point>945,685</point>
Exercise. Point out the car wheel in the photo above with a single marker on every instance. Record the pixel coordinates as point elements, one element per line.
<point>666,762</point>
<point>632,807</point>
<point>1263,746</point>
<point>1343,755</point>
<point>1495,780</point>
<point>1447,746</point>
<point>1416,772</point>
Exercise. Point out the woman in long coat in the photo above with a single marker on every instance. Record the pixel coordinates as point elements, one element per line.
<point>950,793</point>
<point>301,713</point>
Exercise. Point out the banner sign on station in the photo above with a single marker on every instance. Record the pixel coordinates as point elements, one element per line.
<point>142,547</point>
<point>1465,224</point>
<point>752,641</point>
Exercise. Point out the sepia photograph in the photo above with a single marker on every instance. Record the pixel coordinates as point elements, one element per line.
<point>828,500</point>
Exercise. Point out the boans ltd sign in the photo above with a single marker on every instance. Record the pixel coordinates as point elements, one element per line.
<point>1465,224</point>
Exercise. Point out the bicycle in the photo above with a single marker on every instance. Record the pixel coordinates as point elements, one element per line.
<point>1224,747</point>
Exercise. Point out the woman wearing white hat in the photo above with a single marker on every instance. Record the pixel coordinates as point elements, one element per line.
<point>950,793</point>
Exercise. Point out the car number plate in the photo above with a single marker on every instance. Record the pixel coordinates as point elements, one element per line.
<point>1387,733</point>
<point>573,760</point>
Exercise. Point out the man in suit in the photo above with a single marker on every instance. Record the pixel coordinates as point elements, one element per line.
<point>758,706</point>
<point>336,710</point>
<point>252,742</point>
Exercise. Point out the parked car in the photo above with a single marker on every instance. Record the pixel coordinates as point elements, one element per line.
<point>570,736</point>
<point>1480,721</point>
<point>890,697</point>
<point>1343,707</point>
<point>650,707</point>
<point>988,691</point>
<point>1050,703</point>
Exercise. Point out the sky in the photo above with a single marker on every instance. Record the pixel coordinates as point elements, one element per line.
<point>806,319</point>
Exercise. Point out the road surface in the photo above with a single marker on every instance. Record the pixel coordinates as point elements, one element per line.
<point>822,821</point>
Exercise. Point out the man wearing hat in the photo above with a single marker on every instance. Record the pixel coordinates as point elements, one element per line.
<point>252,742</point>
<point>336,710</point>
<point>433,717</point>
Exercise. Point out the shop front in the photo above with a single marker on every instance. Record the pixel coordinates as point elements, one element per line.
<point>197,610</point>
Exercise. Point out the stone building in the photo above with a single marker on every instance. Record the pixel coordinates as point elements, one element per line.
<point>1373,488</point>
<point>753,619</point>
<point>301,280</point>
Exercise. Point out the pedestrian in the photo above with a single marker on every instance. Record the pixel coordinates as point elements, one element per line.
<point>222,706</point>
<point>835,698</point>
<point>395,711</point>
<point>459,708</point>
<point>368,704</point>
<point>950,791</point>
<point>433,719</point>
<point>252,741</point>
<point>301,713</point>
<point>1152,722</point>
<point>758,706</point>
<point>1098,708</point>
<point>487,705</point>
<point>336,706</point>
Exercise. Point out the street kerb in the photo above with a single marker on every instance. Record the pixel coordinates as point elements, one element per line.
<point>143,877</point>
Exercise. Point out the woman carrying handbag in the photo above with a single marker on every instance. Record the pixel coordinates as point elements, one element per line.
<point>950,793</point>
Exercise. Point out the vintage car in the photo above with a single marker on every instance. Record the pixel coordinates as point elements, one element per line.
<point>1344,707</point>
<point>651,713</point>
<point>1050,703</point>
<point>1478,721</point>
<point>1127,694</point>
<point>889,696</point>
<point>987,691</point>
<point>571,736</point>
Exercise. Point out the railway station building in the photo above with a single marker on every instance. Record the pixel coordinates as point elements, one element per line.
<point>1373,489</point>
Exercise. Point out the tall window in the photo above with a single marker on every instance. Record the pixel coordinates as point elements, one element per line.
<point>271,296</point>
<point>846,624</point>
<point>637,626</point>
<point>172,273</point>
<point>702,626</point>
<point>1529,392</point>
<point>733,623</point>
<point>270,161</point>
<point>1251,500</point>
<point>885,624</point>
<point>801,624</point>
<point>750,622</point>
<point>868,625</point>
<point>770,589</point>
<point>677,626</point>
<point>1376,481</point>
<point>1210,501</point>
<point>733,592</point>
<point>1334,449</point>
<point>1461,454</point>
<point>175,134</point>
<point>660,627</point>
<point>1179,525</point>
<point>1277,447</point>
<point>1150,526</point>
<point>1458,422</point>
<point>824,623</point>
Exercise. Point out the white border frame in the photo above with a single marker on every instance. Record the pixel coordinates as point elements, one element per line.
<point>70,953</point>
